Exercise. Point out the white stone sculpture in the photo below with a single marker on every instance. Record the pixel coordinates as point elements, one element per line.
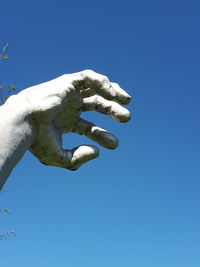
<point>36,118</point>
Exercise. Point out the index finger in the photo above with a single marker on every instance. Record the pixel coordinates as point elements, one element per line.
<point>101,85</point>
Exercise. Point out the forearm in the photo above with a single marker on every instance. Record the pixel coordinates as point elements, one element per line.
<point>16,135</point>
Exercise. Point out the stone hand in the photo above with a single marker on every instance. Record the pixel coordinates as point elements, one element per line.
<point>55,109</point>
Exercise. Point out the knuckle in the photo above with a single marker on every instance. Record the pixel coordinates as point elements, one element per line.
<point>64,76</point>
<point>94,75</point>
<point>115,84</point>
<point>105,79</point>
<point>88,72</point>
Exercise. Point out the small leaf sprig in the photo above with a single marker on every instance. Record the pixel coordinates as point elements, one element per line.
<point>9,89</point>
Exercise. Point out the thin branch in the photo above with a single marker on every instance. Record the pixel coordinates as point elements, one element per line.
<point>4,49</point>
<point>8,234</point>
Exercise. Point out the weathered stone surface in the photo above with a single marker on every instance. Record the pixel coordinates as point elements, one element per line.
<point>36,118</point>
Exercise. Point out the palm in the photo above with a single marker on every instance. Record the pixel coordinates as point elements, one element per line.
<point>48,145</point>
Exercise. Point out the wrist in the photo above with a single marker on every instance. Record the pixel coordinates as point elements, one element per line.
<point>18,106</point>
<point>17,134</point>
<point>16,114</point>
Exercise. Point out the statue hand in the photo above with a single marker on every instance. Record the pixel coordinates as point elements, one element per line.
<point>55,108</point>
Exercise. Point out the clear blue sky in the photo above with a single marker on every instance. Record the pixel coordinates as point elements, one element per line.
<point>137,206</point>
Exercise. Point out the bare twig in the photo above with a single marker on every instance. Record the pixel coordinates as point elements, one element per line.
<point>3,51</point>
<point>8,234</point>
<point>5,91</point>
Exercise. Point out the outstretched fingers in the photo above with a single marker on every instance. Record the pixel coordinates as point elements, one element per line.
<point>111,108</point>
<point>93,82</point>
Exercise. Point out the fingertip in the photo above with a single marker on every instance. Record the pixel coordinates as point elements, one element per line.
<point>128,99</point>
<point>120,114</point>
<point>109,141</point>
<point>124,99</point>
<point>103,138</point>
<point>83,154</point>
<point>94,151</point>
<point>89,151</point>
<point>121,96</point>
<point>126,117</point>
